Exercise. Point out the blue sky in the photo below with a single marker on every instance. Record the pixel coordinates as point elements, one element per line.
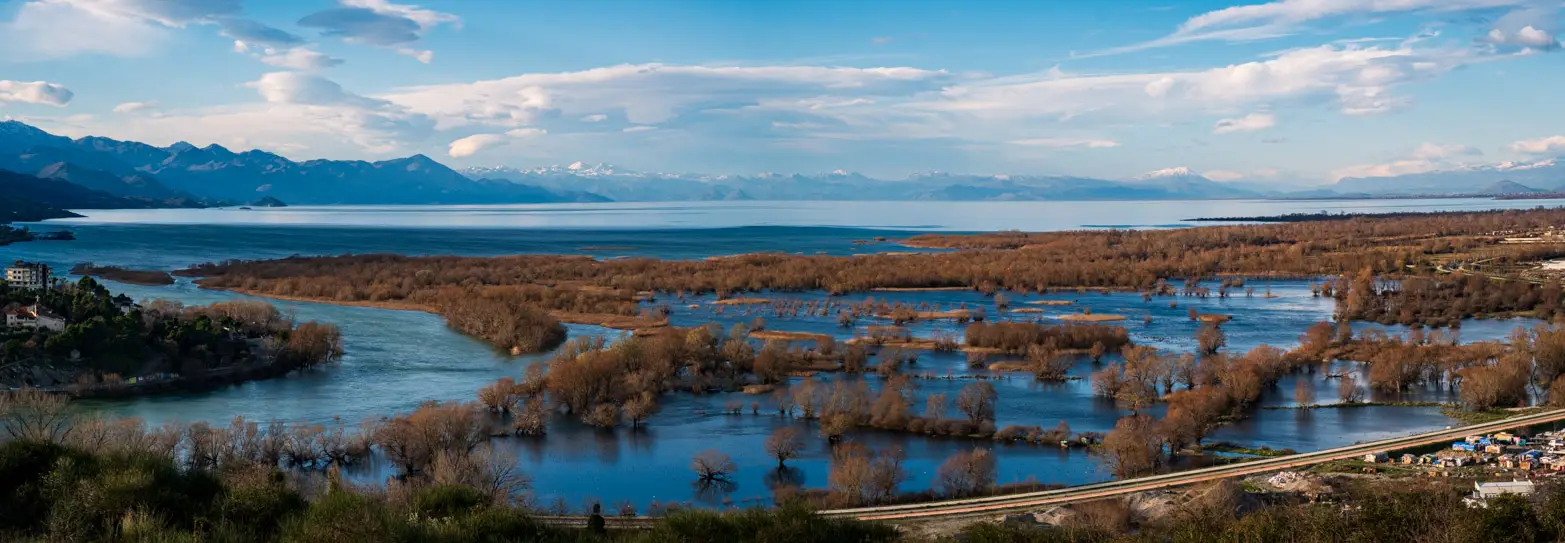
<point>1286,92</point>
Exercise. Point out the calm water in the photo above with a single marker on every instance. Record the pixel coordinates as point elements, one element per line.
<point>396,360</point>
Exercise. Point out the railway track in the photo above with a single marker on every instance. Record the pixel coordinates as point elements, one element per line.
<point>1020,502</point>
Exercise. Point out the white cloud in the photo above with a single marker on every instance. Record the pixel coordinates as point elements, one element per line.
<point>1541,146</point>
<point>1247,123</point>
<point>35,92</point>
<point>425,56</point>
<point>645,93</point>
<point>595,118</point>
<point>302,88</point>
<point>1223,175</point>
<point>476,143</point>
<point>301,58</point>
<point>1357,79</point>
<point>1427,157</point>
<point>797,126</point>
<point>61,28</point>
<point>1435,151</point>
<point>425,18</point>
<point>1060,143</point>
<point>380,22</point>
<point>1289,12</point>
<point>471,145</point>
<point>1528,36</point>
<point>1387,169</point>
<point>1284,17</point>
<point>128,108</point>
<point>641,128</point>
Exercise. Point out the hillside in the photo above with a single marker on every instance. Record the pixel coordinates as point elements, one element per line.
<point>14,209</point>
<point>29,196</point>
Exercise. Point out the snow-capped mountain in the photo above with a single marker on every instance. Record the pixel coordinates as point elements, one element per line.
<point>626,185</point>
<point>183,171</point>
<point>1542,175</point>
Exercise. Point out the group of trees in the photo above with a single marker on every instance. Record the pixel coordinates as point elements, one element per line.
<point>1022,263</point>
<point>75,492</point>
<point>112,338</point>
<point>1018,337</point>
<point>1443,300</point>
<point>505,317</point>
<point>1200,394</point>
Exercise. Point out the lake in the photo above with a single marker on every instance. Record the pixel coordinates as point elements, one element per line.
<point>395,360</point>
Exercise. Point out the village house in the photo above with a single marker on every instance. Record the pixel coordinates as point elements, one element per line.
<point>27,275</point>
<point>1483,492</point>
<point>34,317</point>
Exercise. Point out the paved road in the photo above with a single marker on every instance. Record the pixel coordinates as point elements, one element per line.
<point>1032,500</point>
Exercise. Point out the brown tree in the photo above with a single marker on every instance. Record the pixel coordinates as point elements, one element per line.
<point>1132,446</point>
<point>966,473</point>
<point>1303,391</point>
<point>784,444</point>
<point>1210,338</point>
<point>712,466</point>
<point>977,401</point>
<point>1348,389</point>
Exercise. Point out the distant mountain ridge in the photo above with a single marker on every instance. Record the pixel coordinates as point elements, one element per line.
<point>1493,180</point>
<point>183,172</point>
<point>624,185</point>
<point>29,198</point>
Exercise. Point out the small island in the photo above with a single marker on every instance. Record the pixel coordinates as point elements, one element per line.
<point>9,235</point>
<point>152,278</point>
<point>80,339</point>
<point>268,201</point>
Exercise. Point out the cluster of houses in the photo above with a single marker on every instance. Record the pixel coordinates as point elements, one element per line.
<point>30,276</point>
<point>34,317</point>
<point>1543,452</point>
<point>1540,455</point>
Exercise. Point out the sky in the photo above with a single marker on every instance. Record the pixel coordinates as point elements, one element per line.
<point>1290,92</point>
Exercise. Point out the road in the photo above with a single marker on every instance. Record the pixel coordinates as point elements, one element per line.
<point>1033,500</point>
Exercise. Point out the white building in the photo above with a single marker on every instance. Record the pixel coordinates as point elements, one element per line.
<point>33,316</point>
<point>27,275</point>
<point>1485,491</point>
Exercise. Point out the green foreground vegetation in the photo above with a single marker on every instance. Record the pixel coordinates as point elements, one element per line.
<point>55,492</point>
<point>58,493</point>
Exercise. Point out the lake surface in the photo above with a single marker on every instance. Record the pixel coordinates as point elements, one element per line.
<point>395,360</point>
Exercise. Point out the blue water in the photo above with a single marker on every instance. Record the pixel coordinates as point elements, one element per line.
<point>395,360</point>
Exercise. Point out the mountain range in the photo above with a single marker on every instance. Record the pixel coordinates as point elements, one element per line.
<point>184,174</point>
<point>1506,178</point>
<point>622,185</point>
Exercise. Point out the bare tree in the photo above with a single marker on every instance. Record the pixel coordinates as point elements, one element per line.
<point>637,409</point>
<point>966,473</point>
<point>1348,389</point>
<point>713,466</point>
<point>977,401</point>
<point>1303,391</point>
<point>31,414</point>
<point>489,470</point>
<point>784,444</point>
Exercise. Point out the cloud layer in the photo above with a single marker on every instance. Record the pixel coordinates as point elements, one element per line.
<point>35,92</point>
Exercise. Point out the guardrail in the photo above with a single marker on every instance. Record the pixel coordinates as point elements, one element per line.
<point>1012,502</point>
